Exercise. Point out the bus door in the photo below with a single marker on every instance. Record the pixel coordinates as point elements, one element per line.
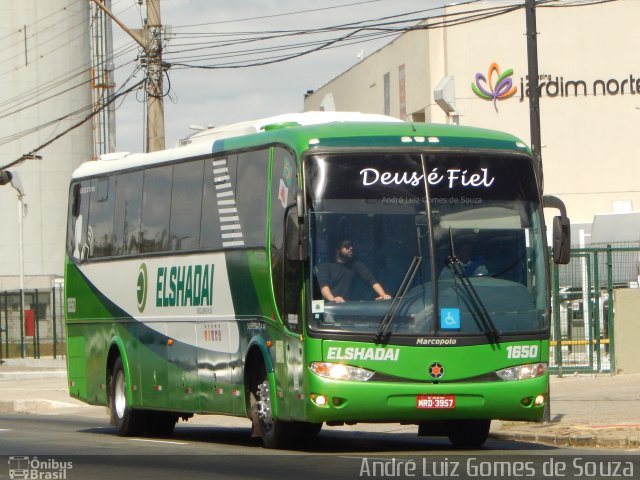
<point>294,356</point>
<point>287,278</point>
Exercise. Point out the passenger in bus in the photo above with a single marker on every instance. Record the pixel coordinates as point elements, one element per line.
<point>336,278</point>
<point>473,264</point>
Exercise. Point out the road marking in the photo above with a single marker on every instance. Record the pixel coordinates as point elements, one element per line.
<point>157,441</point>
<point>5,429</point>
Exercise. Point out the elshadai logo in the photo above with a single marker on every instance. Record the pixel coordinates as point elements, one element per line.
<point>495,86</point>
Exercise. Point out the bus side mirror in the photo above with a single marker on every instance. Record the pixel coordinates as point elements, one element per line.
<point>295,236</point>
<point>561,234</point>
<point>561,240</point>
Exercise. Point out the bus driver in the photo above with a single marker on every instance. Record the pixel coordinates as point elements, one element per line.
<point>336,278</point>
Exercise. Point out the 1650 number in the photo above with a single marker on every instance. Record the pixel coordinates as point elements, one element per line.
<point>522,351</point>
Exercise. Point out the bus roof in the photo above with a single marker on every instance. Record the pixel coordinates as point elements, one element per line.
<point>283,121</point>
<point>306,130</point>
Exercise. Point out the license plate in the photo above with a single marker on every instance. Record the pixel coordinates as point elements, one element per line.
<point>436,401</point>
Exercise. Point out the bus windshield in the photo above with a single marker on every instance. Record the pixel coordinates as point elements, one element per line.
<point>410,244</point>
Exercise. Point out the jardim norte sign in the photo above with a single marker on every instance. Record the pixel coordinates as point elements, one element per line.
<point>497,86</point>
<point>559,86</point>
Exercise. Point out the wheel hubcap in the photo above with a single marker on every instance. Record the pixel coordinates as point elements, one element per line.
<point>119,398</point>
<point>263,405</point>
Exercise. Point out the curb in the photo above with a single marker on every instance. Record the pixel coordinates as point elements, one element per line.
<point>45,362</point>
<point>570,440</point>
<point>36,406</point>
<point>33,375</point>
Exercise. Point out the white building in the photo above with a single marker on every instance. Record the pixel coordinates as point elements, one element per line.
<point>45,89</point>
<point>589,65</point>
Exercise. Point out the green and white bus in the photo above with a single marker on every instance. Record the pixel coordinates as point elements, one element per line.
<point>195,279</point>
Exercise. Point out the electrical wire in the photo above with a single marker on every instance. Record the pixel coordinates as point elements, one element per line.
<point>218,53</point>
<point>73,126</point>
<point>277,15</point>
<point>220,49</point>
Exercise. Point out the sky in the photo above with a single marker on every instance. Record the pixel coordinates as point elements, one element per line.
<point>226,95</point>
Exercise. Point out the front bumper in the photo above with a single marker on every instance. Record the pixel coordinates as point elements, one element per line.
<point>349,401</point>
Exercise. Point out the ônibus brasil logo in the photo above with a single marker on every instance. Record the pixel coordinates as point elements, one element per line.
<point>495,86</point>
<point>141,287</point>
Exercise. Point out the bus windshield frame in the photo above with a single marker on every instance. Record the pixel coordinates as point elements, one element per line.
<point>470,220</point>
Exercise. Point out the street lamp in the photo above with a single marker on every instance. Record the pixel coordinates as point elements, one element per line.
<point>12,177</point>
<point>8,176</point>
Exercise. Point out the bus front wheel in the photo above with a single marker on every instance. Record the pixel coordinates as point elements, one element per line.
<point>271,430</point>
<point>128,422</point>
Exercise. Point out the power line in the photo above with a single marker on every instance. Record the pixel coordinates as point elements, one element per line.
<point>346,33</point>
<point>220,48</point>
<point>264,17</point>
<point>341,35</point>
<point>75,125</point>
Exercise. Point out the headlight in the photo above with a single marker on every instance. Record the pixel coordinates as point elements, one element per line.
<point>338,371</point>
<point>522,372</point>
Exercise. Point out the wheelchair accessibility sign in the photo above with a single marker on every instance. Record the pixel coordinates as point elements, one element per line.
<point>449,318</point>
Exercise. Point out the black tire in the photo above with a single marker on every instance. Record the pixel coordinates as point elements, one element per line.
<point>128,422</point>
<point>306,429</point>
<point>468,433</point>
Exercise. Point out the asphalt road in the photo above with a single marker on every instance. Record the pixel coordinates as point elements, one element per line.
<point>85,447</point>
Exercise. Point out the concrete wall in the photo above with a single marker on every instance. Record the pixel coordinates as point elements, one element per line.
<point>627,329</point>
<point>45,67</point>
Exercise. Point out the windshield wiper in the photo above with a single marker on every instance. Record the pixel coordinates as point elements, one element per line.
<point>471,297</point>
<point>384,329</point>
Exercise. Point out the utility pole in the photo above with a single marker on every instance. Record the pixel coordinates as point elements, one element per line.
<point>155,103</point>
<point>534,117</point>
<point>534,93</point>
<point>150,39</point>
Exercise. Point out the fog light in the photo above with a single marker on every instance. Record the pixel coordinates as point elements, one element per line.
<point>539,400</point>
<point>526,401</point>
<point>319,400</point>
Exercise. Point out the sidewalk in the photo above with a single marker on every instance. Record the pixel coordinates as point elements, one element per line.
<point>586,410</point>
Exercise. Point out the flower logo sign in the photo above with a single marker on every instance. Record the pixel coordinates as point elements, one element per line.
<point>495,86</point>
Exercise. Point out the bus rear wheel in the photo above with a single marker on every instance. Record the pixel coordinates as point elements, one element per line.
<point>468,433</point>
<point>128,422</point>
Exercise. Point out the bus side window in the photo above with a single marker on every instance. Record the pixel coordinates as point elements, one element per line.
<point>186,206</point>
<point>251,195</point>
<point>156,205</point>
<point>126,222</point>
<point>217,172</point>
<point>77,245</point>
<point>100,223</point>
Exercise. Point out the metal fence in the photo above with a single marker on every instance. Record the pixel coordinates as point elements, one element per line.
<point>582,304</point>
<point>32,325</point>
